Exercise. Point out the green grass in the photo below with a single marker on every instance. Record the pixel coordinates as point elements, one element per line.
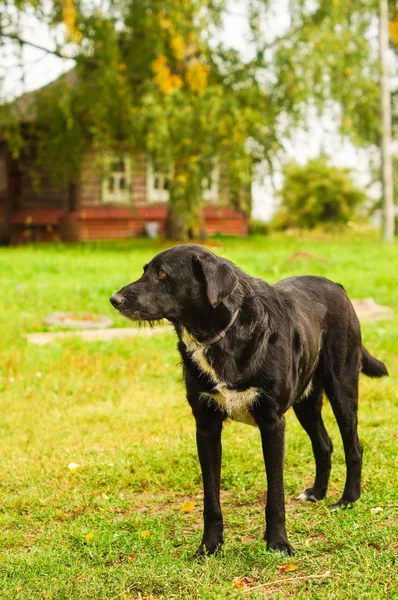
<point>118,410</point>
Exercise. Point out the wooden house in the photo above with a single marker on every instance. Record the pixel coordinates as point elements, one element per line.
<point>127,199</point>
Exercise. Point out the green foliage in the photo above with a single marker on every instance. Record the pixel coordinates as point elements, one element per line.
<point>317,194</point>
<point>257,227</point>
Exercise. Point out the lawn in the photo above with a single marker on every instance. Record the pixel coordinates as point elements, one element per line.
<point>114,527</point>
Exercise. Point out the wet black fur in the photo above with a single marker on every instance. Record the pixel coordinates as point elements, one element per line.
<point>300,330</point>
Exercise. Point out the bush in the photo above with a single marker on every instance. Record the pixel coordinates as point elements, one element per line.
<point>317,194</point>
<point>257,227</point>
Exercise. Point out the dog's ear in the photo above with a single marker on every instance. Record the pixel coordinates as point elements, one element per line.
<point>219,277</point>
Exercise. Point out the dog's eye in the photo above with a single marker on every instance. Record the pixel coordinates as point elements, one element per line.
<point>161,274</point>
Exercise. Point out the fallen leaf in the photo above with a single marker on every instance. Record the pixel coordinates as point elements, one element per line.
<point>287,567</point>
<point>248,580</point>
<point>243,582</point>
<point>145,533</point>
<point>132,556</point>
<point>187,506</point>
<point>376,510</point>
<point>88,536</point>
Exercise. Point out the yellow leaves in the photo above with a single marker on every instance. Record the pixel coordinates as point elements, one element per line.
<point>177,45</point>
<point>69,19</point>
<point>145,534</point>
<point>89,536</point>
<point>394,30</point>
<point>197,77</point>
<point>287,567</point>
<point>159,64</point>
<point>164,78</point>
<point>164,21</point>
<point>187,506</point>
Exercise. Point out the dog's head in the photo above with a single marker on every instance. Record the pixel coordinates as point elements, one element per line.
<point>177,283</point>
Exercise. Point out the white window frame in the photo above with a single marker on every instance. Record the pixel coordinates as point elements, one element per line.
<point>156,193</point>
<point>210,194</point>
<point>160,194</point>
<point>116,195</point>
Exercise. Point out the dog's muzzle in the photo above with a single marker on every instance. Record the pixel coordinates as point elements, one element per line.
<point>116,300</point>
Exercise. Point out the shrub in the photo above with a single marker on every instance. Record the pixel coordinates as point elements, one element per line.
<point>317,194</point>
<point>257,227</point>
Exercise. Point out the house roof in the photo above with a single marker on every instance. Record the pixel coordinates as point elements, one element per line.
<point>24,107</point>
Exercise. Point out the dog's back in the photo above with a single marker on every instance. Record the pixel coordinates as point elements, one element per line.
<point>320,302</point>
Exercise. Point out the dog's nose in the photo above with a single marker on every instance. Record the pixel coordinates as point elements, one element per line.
<point>116,300</point>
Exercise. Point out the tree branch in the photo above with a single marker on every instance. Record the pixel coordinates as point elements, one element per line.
<point>17,38</point>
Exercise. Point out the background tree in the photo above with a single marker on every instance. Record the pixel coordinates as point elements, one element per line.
<point>332,62</point>
<point>153,78</point>
<point>149,79</point>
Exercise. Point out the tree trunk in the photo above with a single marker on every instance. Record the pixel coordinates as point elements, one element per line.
<point>185,219</point>
<point>386,156</point>
<point>12,197</point>
<point>68,227</point>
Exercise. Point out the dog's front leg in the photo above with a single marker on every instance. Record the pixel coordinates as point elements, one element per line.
<point>273,441</point>
<point>208,438</point>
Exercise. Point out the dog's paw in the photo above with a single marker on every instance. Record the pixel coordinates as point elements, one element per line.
<point>283,547</point>
<point>311,495</point>
<point>207,549</point>
<point>342,504</point>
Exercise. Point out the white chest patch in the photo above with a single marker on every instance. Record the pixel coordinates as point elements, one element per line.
<point>235,403</point>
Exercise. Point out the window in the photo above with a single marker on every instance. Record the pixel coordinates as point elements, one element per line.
<point>159,185</point>
<point>210,186</point>
<point>116,185</point>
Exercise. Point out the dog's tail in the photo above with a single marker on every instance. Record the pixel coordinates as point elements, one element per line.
<point>371,366</point>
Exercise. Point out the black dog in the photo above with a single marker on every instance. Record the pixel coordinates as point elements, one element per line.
<point>250,351</point>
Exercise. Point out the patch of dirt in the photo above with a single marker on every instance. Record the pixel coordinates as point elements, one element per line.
<point>307,256</point>
<point>374,545</point>
<point>368,310</point>
<point>72,320</point>
<point>96,334</point>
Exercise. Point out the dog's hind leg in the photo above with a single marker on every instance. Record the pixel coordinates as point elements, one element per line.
<point>343,395</point>
<point>308,411</point>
